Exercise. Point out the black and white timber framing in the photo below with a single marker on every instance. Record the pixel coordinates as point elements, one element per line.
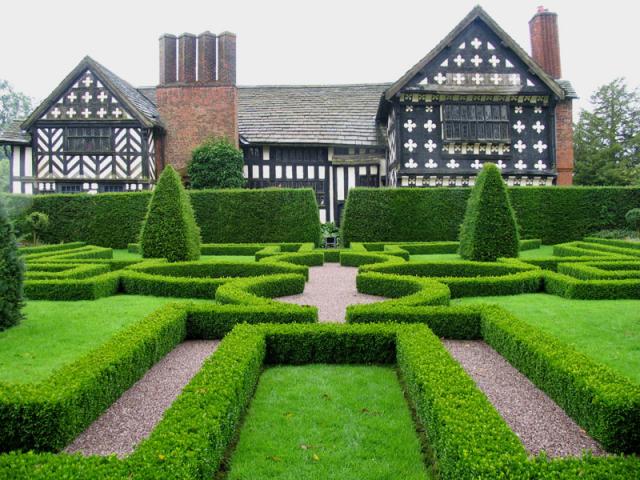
<point>476,97</point>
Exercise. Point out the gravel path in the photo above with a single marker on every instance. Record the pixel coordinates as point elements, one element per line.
<point>537,420</point>
<point>134,415</point>
<point>331,288</point>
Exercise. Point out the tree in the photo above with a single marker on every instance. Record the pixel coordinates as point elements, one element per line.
<point>217,163</point>
<point>11,273</point>
<point>37,224</point>
<point>607,139</point>
<point>12,105</point>
<point>169,229</point>
<point>489,229</point>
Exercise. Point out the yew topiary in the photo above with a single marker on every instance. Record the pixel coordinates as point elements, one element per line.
<point>489,229</point>
<point>11,273</point>
<point>169,229</point>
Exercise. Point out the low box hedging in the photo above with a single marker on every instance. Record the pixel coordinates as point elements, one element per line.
<point>553,215</point>
<point>613,242</point>
<point>603,402</point>
<point>50,248</point>
<point>73,289</point>
<point>224,216</point>
<point>61,271</point>
<point>601,270</point>
<point>88,251</point>
<point>468,436</point>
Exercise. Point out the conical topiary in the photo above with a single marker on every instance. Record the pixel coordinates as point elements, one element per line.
<point>489,229</point>
<point>11,273</point>
<point>169,229</point>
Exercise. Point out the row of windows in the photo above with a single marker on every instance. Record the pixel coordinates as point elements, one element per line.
<point>88,139</point>
<point>68,187</point>
<point>475,122</point>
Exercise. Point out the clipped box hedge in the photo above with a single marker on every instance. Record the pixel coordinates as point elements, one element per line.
<point>224,216</point>
<point>555,215</point>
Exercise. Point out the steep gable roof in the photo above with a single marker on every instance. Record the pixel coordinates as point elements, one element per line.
<point>12,134</point>
<point>476,13</point>
<point>140,106</point>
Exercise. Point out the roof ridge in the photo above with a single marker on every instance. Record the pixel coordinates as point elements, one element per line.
<point>319,85</point>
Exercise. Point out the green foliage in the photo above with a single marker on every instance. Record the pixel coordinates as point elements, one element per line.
<point>607,139</point>
<point>216,163</point>
<point>633,219</point>
<point>554,215</point>
<point>38,224</point>
<point>169,229</point>
<point>224,216</point>
<point>489,229</point>
<point>12,104</point>
<point>11,274</point>
<point>4,173</point>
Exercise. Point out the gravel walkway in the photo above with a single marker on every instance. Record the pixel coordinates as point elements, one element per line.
<point>537,420</point>
<point>134,415</point>
<point>331,288</point>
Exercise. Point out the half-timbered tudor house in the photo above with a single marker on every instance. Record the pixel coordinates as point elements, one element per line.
<point>476,97</point>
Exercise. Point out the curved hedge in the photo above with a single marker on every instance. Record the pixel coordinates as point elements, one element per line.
<point>554,214</point>
<point>224,216</point>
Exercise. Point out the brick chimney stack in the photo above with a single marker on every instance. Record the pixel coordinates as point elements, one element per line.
<point>197,95</point>
<point>545,45</point>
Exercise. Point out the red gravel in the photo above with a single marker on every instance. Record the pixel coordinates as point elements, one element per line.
<point>135,414</point>
<point>331,288</point>
<point>534,417</point>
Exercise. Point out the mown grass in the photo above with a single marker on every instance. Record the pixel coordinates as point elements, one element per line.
<point>608,331</point>
<point>339,422</point>
<point>126,255</point>
<point>53,334</point>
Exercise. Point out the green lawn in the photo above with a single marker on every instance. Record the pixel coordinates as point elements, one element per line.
<point>54,334</point>
<point>606,330</point>
<point>338,422</point>
<point>126,255</point>
<point>544,251</point>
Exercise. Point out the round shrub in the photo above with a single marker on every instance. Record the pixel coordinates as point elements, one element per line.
<point>217,163</point>
<point>11,273</point>
<point>37,224</point>
<point>169,229</point>
<point>489,229</point>
<point>633,219</point>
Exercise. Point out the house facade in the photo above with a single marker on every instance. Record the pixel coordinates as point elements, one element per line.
<point>476,97</point>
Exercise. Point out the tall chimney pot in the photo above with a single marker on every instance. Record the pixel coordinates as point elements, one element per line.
<point>545,44</point>
<point>168,45</point>
<point>206,57</point>
<point>187,58</point>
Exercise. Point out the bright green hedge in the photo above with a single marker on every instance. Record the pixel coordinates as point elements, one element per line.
<point>224,216</point>
<point>553,214</point>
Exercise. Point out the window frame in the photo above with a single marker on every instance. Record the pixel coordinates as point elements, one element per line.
<point>103,135</point>
<point>461,122</point>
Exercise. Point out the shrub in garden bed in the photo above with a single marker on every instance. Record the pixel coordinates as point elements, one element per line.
<point>11,274</point>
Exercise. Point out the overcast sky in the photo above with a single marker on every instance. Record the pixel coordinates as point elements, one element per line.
<point>299,42</point>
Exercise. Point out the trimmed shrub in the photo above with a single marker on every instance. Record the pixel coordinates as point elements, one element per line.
<point>489,229</point>
<point>169,230</point>
<point>633,219</point>
<point>11,273</point>
<point>216,163</point>
<point>555,215</point>
<point>38,224</point>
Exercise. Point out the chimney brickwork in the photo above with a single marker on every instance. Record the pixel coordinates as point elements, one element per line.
<point>202,100</point>
<point>545,51</point>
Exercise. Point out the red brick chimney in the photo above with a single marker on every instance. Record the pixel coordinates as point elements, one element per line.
<point>197,96</point>
<point>545,50</point>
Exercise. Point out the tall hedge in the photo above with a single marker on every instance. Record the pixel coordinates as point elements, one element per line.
<point>224,216</point>
<point>11,274</point>
<point>553,214</point>
<point>169,229</point>
<point>489,229</point>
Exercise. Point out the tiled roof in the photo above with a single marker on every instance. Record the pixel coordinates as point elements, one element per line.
<point>569,91</point>
<point>322,114</point>
<point>12,133</point>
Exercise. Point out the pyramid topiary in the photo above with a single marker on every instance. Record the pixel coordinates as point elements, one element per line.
<point>169,229</point>
<point>489,229</point>
<point>11,273</point>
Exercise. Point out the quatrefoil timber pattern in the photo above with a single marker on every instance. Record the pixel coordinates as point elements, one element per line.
<point>87,98</point>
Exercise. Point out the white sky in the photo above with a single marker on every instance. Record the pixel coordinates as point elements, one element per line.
<point>298,42</point>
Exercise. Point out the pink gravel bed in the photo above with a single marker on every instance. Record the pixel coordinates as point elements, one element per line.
<point>135,414</point>
<point>534,417</point>
<point>331,288</point>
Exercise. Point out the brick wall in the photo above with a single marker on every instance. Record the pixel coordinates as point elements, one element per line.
<point>191,113</point>
<point>564,143</point>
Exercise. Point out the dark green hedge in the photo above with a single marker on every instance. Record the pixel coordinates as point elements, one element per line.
<point>553,214</point>
<point>224,216</point>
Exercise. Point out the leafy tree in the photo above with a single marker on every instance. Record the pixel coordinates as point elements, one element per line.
<point>217,163</point>
<point>169,229</point>
<point>489,229</point>
<point>607,139</point>
<point>11,273</point>
<point>37,223</point>
<point>633,219</point>
<point>12,105</point>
